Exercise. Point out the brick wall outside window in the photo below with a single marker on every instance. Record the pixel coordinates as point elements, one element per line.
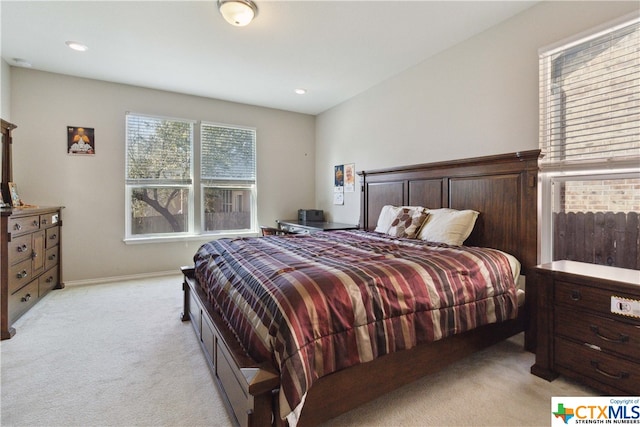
<point>608,195</point>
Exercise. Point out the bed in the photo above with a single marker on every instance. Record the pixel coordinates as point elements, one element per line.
<point>257,388</point>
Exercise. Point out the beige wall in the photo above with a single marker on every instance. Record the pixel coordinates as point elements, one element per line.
<point>477,98</point>
<point>92,188</point>
<point>5,90</point>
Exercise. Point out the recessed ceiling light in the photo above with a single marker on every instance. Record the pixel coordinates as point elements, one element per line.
<point>300,91</point>
<point>22,62</point>
<point>76,46</point>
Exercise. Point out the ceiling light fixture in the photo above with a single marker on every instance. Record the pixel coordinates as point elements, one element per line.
<point>300,91</point>
<point>238,12</point>
<point>76,46</point>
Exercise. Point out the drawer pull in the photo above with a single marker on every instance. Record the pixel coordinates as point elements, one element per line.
<point>22,248</point>
<point>17,227</point>
<point>26,298</point>
<point>22,274</point>
<point>52,257</point>
<point>53,236</point>
<point>35,223</point>
<point>576,295</point>
<point>44,221</point>
<point>621,337</point>
<point>620,376</point>
<point>49,279</point>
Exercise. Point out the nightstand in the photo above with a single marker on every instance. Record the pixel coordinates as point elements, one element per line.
<point>588,328</point>
<point>308,227</point>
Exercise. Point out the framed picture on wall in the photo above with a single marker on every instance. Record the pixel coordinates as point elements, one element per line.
<point>81,141</point>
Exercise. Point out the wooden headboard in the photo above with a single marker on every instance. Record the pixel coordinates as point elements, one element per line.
<point>503,188</point>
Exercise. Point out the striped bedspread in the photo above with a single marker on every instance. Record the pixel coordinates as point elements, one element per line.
<point>316,304</point>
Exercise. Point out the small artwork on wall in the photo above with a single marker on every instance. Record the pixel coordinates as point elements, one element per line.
<point>338,185</point>
<point>80,141</point>
<point>349,178</point>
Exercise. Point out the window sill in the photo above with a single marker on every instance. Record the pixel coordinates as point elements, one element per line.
<point>185,238</point>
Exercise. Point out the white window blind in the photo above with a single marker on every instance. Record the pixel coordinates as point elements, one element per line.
<point>158,150</point>
<point>228,178</point>
<point>228,154</point>
<point>590,100</point>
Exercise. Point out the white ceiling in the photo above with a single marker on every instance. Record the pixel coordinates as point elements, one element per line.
<point>334,49</point>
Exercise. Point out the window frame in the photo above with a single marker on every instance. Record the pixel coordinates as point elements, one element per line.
<point>229,185</point>
<point>573,170</point>
<point>196,222</point>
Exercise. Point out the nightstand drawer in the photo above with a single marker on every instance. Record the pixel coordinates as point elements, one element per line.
<point>586,297</point>
<point>599,366</point>
<point>608,334</point>
<point>24,224</point>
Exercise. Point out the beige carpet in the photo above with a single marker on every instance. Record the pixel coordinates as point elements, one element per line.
<point>118,355</point>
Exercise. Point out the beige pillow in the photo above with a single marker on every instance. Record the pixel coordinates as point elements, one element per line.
<point>448,226</point>
<point>386,217</point>
<point>407,222</point>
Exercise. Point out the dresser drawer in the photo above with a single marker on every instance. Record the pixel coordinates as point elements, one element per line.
<point>53,236</point>
<point>22,300</point>
<point>47,220</point>
<point>47,281</point>
<point>608,334</point>
<point>586,297</point>
<point>25,224</point>
<point>20,249</point>
<point>51,257</point>
<point>597,365</point>
<point>19,275</point>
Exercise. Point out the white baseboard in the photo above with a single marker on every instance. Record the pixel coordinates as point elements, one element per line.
<point>103,280</point>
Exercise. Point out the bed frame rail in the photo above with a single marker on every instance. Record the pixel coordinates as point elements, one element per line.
<point>248,389</point>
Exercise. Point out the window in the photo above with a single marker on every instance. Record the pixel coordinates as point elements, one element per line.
<point>164,198</point>
<point>159,183</point>
<point>228,178</point>
<point>590,138</point>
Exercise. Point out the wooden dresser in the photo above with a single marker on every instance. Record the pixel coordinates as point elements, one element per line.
<point>581,333</point>
<point>29,260</point>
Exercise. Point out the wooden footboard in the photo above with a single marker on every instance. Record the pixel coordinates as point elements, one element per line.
<point>248,389</point>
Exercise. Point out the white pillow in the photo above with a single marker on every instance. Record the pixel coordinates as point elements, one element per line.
<point>448,226</point>
<point>388,214</point>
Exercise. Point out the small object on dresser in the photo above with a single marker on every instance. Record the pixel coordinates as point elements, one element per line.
<point>15,198</point>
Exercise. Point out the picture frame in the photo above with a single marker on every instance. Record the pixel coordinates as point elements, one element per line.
<point>2,203</point>
<point>15,197</point>
<point>81,141</point>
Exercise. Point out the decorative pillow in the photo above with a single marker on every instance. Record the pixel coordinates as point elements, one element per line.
<point>448,226</point>
<point>407,222</point>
